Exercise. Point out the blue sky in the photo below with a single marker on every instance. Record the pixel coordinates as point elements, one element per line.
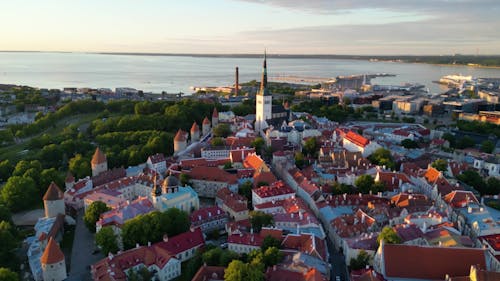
<point>249,26</point>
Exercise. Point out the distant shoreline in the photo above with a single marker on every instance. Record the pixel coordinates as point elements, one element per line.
<point>464,60</point>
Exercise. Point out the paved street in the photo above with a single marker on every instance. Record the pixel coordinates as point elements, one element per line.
<point>338,264</point>
<point>81,256</point>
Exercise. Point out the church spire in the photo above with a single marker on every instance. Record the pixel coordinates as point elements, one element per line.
<point>263,82</point>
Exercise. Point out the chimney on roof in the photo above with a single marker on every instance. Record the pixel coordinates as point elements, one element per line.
<point>110,256</point>
<point>149,244</point>
<point>137,245</point>
<point>165,237</point>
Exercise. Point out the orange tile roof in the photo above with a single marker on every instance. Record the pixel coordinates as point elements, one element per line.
<point>432,174</point>
<point>180,136</point>
<point>460,198</point>
<point>53,193</point>
<point>206,121</point>
<point>357,139</point>
<point>430,263</point>
<point>212,174</point>
<point>98,157</point>
<point>52,253</point>
<point>211,273</point>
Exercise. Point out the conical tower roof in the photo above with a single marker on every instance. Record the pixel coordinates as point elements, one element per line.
<point>195,128</point>
<point>52,253</point>
<point>53,193</point>
<point>206,121</point>
<point>69,177</point>
<point>180,136</point>
<point>98,157</point>
<point>215,114</point>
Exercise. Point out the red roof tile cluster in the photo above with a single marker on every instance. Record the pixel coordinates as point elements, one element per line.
<point>404,200</point>
<point>53,193</point>
<point>239,154</point>
<point>458,168</point>
<point>273,232</point>
<point>182,242</point>
<point>113,268</point>
<point>283,274</point>
<point>267,177</point>
<point>249,239</point>
<point>98,157</point>
<point>460,198</point>
<point>207,214</point>
<point>306,243</point>
<point>356,139</point>
<point>52,253</point>
<point>275,189</point>
<point>109,176</point>
<point>392,181</point>
<point>232,200</point>
<point>212,273</point>
<point>211,174</point>
<point>429,263</point>
<point>366,275</point>
<point>255,162</point>
<point>349,225</point>
<point>408,232</point>
<point>401,132</point>
<point>235,142</point>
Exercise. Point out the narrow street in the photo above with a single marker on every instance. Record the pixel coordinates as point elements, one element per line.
<point>81,255</point>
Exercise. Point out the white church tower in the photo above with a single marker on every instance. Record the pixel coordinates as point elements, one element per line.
<point>264,103</point>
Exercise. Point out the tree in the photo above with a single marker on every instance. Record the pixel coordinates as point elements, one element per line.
<point>299,160</point>
<point>258,143</point>
<point>408,143</point>
<point>360,262</point>
<point>221,130</point>
<point>487,146</point>
<point>8,275</point>
<point>217,141</point>
<point>106,239</point>
<point>272,256</point>
<point>9,244</point>
<point>341,188</point>
<point>389,236</point>
<point>450,138</point>
<point>184,179</point>
<point>364,183</point>
<point>260,219</point>
<point>269,242</point>
<point>6,169</point>
<point>46,177</point>
<point>141,274</point>
<point>152,226</point>
<point>5,214</point>
<point>493,186</point>
<point>92,213</point>
<point>310,147</point>
<point>382,157</point>
<point>474,179</point>
<point>240,271</point>
<point>228,165</point>
<point>440,164</point>
<point>19,193</point>
<point>79,166</point>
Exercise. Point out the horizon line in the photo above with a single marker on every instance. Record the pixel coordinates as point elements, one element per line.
<point>275,55</point>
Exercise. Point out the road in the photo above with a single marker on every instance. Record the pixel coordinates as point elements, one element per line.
<point>337,260</point>
<point>81,255</point>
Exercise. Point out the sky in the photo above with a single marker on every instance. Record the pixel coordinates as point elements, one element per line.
<point>368,27</point>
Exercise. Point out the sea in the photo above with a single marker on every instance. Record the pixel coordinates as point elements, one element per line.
<point>174,74</point>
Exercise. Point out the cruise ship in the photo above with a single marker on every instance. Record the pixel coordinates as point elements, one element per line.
<point>455,79</point>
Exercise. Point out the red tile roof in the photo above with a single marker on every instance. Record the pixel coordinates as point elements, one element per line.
<point>232,200</point>
<point>356,139</point>
<point>211,174</point>
<point>275,189</point>
<point>53,193</point>
<point>267,177</point>
<point>69,177</point>
<point>206,121</point>
<point>239,154</point>
<point>254,161</point>
<point>460,198</point>
<point>182,242</point>
<point>283,274</point>
<point>98,157</point>
<point>392,180</point>
<point>52,253</point>
<point>211,273</point>
<point>430,263</point>
<point>306,243</point>
<point>113,268</point>
<point>273,232</point>
<point>215,113</point>
<point>249,239</point>
<point>207,214</point>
